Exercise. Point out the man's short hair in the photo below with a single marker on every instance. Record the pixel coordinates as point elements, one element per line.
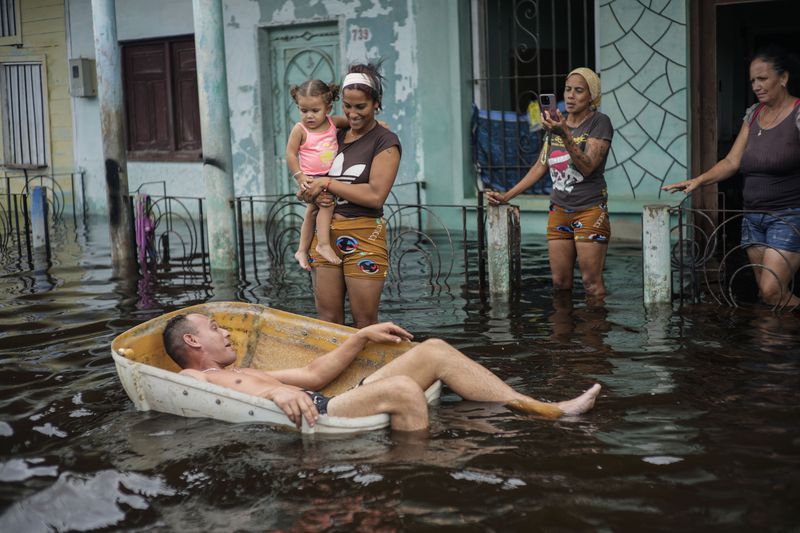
<point>176,328</point>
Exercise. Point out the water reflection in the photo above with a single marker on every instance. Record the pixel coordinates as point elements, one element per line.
<point>579,329</point>
<point>696,427</point>
<point>83,502</point>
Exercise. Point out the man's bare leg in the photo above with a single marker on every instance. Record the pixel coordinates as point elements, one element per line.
<point>399,396</point>
<point>435,359</point>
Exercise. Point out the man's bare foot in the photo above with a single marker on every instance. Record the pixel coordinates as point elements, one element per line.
<point>327,252</point>
<point>582,403</point>
<point>531,406</point>
<point>576,406</point>
<point>302,258</point>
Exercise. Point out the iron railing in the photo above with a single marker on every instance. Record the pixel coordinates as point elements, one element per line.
<point>169,233</point>
<point>434,244</point>
<point>63,190</point>
<point>710,263</point>
<point>422,243</point>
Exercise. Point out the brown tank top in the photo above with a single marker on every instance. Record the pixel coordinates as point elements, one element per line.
<point>771,165</point>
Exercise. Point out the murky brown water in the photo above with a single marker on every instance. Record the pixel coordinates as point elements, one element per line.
<point>696,429</point>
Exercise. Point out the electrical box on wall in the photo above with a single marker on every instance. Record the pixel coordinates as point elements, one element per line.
<point>81,77</point>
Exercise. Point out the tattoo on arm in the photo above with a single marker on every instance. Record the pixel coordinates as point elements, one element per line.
<point>587,161</point>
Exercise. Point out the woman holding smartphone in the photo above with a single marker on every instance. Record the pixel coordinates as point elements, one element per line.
<point>575,151</point>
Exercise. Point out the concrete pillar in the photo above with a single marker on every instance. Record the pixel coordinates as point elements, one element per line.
<point>657,254</point>
<point>215,126</point>
<point>112,123</point>
<point>498,253</point>
<point>39,216</point>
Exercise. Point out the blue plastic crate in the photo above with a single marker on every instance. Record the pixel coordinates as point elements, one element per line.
<point>504,148</point>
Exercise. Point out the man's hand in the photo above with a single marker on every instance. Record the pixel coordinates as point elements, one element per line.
<point>296,404</point>
<point>385,332</point>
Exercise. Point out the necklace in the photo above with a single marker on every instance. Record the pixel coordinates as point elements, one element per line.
<point>354,138</point>
<point>774,120</point>
<point>212,369</point>
<point>579,120</point>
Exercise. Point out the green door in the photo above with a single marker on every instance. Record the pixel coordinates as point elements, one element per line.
<point>297,53</point>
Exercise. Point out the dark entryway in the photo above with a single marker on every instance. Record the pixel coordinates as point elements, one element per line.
<point>724,34</point>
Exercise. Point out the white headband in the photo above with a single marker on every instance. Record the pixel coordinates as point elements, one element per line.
<point>357,77</point>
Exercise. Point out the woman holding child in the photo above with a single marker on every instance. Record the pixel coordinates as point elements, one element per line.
<point>359,179</point>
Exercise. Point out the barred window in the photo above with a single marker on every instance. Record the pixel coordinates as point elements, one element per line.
<point>23,114</point>
<point>522,48</point>
<point>10,22</point>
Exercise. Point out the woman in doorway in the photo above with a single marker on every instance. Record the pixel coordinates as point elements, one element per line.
<point>767,153</point>
<point>575,152</point>
<point>358,182</point>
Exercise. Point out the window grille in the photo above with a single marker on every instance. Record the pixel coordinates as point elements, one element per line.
<point>523,48</point>
<point>24,124</point>
<point>9,22</point>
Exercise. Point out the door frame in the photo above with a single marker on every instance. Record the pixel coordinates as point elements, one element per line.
<point>264,65</point>
<point>703,86</point>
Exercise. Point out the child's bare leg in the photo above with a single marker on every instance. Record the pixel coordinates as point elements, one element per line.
<point>306,236</point>
<point>324,217</point>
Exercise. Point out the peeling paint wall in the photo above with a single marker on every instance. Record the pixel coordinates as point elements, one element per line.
<point>431,118</point>
<point>372,29</point>
<point>244,96</point>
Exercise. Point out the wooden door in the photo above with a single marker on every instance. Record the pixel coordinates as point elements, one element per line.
<point>297,53</point>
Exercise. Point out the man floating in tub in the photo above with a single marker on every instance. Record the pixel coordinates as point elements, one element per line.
<point>203,349</point>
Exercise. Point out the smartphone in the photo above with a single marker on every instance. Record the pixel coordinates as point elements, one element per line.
<point>548,102</point>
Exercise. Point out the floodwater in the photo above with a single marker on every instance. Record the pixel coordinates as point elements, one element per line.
<point>696,428</point>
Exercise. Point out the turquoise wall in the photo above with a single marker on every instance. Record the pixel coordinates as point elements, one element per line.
<point>444,100</point>
<point>643,51</point>
<point>427,48</point>
<point>368,30</point>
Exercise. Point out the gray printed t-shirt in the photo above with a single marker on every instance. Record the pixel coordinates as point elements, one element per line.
<point>571,189</point>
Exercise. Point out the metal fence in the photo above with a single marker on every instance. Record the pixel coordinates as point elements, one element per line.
<point>169,236</point>
<point>65,199</point>
<point>440,246</point>
<point>423,247</point>
<point>710,263</point>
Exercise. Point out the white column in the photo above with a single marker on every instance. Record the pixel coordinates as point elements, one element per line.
<point>112,123</point>
<point>212,86</point>
<point>656,254</point>
<point>499,255</point>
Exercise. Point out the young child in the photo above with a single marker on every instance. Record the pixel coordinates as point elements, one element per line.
<point>310,151</point>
